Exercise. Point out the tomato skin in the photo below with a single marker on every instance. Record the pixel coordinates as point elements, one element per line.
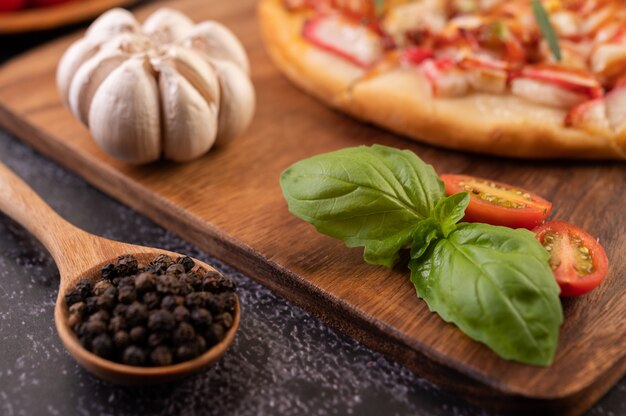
<point>563,257</point>
<point>10,5</point>
<point>480,210</point>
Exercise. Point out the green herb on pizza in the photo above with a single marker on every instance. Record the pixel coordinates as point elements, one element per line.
<point>543,21</point>
<point>494,283</point>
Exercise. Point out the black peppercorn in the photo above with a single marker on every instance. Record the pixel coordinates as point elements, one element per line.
<point>201,343</point>
<point>201,318</point>
<point>92,304</point>
<point>185,289</point>
<point>138,334</point>
<point>176,269</point>
<point>187,263</point>
<point>107,299</point>
<point>117,323</point>
<point>168,284</point>
<point>145,282</point>
<point>126,294</point>
<point>121,339</point>
<point>152,299</point>
<point>73,296</point>
<point>194,300</point>
<point>84,286</point>
<point>170,302</point>
<point>151,315</point>
<point>214,334</point>
<point>126,266</point>
<point>120,309</point>
<point>181,314</point>
<point>136,313</point>
<point>186,352</point>
<point>100,287</point>
<point>102,345</point>
<point>94,327</point>
<point>134,356</point>
<point>108,272</point>
<point>216,283</point>
<point>161,320</point>
<point>161,263</point>
<point>193,279</point>
<point>78,308</point>
<point>100,315</point>
<point>161,356</point>
<point>158,338</point>
<point>184,334</point>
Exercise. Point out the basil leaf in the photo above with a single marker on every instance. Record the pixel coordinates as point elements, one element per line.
<point>495,284</point>
<point>543,21</point>
<point>427,232</point>
<point>365,196</point>
<point>451,210</point>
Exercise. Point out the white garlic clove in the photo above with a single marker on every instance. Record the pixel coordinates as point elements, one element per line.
<point>197,70</point>
<point>237,101</point>
<point>79,52</point>
<point>124,113</point>
<point>189,121</point>
<point>218,42</point>
<point>167,25</point>
<point>130,43</point>
<point>111,23</point>
<point>88,78</point>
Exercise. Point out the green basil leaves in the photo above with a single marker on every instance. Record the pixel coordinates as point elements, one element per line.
<point>365,196</point>
<point>494,283</point>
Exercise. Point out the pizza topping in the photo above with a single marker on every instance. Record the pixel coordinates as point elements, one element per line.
<point>590,116</point>
<point>342,37</point>
<point>555,53</point>
<point>445,78</point>
<point>616,109</point>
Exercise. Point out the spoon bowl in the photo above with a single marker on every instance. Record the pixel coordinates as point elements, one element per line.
<point>80,255</point>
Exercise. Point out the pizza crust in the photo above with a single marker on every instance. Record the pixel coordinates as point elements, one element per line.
<point>401,101</point>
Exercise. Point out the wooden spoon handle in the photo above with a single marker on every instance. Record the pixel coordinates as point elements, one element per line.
<point>23,205</point>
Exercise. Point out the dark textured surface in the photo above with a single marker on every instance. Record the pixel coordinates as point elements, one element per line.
<point>283,360</point>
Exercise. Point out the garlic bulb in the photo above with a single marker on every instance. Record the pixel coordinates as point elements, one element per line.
<point>165,89</point>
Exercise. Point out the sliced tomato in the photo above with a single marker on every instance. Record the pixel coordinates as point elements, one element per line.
<point>497,203</point>
<point>578,261</point>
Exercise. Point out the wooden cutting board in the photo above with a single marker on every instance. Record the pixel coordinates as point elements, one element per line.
<point>229,203</point>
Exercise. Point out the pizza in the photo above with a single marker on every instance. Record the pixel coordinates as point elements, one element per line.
<point>483,76</point>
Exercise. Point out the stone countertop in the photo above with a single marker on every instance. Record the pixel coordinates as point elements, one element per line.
<point>283,360</point>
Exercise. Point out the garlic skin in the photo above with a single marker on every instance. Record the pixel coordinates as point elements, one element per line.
<point>165,89</point>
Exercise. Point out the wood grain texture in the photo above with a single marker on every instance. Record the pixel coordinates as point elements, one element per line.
<point>229,203</point>
<point>42,18</point>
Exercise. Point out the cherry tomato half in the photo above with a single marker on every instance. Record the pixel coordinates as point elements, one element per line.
<point>578,261</point>
<point>497,203</point>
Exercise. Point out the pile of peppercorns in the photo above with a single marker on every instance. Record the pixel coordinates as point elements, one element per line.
<point>158,314</point>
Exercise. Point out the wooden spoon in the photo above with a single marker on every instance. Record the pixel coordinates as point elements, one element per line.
<point>80,255</point>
